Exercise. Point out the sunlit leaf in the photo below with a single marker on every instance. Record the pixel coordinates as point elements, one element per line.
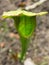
<point>19,12</point>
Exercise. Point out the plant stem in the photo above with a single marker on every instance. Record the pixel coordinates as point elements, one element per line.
<point>24,43</point>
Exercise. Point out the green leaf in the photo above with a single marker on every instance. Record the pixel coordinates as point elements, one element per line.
<point>27,26</point>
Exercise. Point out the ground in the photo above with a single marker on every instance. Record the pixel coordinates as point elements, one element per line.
<point>38,49</point>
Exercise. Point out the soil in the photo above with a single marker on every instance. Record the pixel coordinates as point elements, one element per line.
<point>38,49</point>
